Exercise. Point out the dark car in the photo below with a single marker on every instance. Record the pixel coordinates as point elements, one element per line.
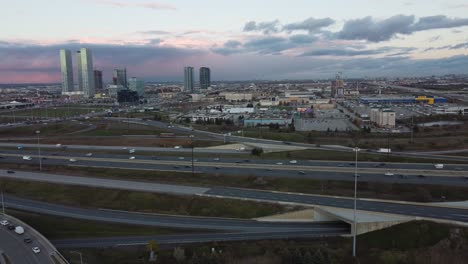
<point>10,171</point>
<point>27,240</point>
<point>421,176</point>
<point>11,227</point>
<point>188,167</point>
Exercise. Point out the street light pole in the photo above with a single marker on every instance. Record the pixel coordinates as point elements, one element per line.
<point>79,253</point>
<point>3,205</point>
<point>39,150</point>
<point>191,144</point>
<point>356,149</point>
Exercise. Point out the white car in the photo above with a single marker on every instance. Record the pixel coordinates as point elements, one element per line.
<point>58,145</point>
<point>293,161</point>
<point>279,163</point>
<point>132,158</point>
<point>89,154</point>
<point>36,250</point>
<point>4,223</point>
<point>439,166</point>
<point>216,159</point>
<point>124,148</point>
<point>181,158</point>
<point>131,151</point>
<point>389,173</point>
<point>72,160</point>
<point>177,147</point>
<point>27,158</point>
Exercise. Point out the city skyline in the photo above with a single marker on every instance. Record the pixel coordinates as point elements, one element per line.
<point>282,42</point>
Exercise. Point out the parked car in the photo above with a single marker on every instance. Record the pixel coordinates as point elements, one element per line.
<point>36,250</point>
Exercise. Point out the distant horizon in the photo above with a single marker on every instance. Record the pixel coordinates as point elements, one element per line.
<point>271,80</point>
<point>249,40</point>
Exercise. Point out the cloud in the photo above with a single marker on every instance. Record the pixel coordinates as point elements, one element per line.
<point>311,25</point>
<point>154,32</point>
<point>436,22</point>
<point>435,38</point>
<point>155,41</point>
<point>266,45</point>
<point>149,5</point>
<point>368,28</point>
<point>374,30</point>
<point>340,52</point>
<point>265,27</point>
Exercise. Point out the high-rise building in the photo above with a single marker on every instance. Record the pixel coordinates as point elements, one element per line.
<point>137,85</point>
<point>67,70</point>
<point>98,80</point>
<point>80,73</point>
<point>205,77</point>
<point>87,72</point>
<point>188,79</point>
<point>120,77</point>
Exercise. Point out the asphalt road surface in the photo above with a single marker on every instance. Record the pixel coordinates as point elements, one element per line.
<point>407,173</point>
<point>176,240</point>
<point>407,209</point>
<point>19,252</point>
<point>172,221</point>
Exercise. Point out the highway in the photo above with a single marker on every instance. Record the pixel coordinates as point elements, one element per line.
<point>408,173</point>
<point>177,240</point>
<point>407,209</point>
<point>170,221</point>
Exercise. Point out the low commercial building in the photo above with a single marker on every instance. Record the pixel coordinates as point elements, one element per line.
<point>452,110</point>
<point>237,97</point>
<point>403,100</point>
<point>259,121</point>
<point>240,110</point>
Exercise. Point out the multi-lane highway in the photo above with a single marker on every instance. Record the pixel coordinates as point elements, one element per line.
<point>407,209</point>
<point>408,173</point>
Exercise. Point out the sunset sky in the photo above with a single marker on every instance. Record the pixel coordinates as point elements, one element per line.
<point>238,40</point>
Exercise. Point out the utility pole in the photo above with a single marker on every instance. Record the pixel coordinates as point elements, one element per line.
<point>191,144</point>
<point>412,129</point>
<point>356,149</point>
<point>39,150</point>
<point>3,205</point>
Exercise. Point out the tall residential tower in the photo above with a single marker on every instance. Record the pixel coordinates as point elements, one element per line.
<point>87,72</point>
<point>120,77</point>
<point>67,70</point>
<point>188,79</point>
<point>205,78</point>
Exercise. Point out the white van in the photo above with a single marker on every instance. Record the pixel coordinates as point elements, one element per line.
<point>439,166</point>
<point>27,158</point>
<point>19,230</point>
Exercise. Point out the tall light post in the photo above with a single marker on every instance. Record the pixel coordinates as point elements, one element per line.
<point>39,149</point>
<point>3,205</point>
<point>191,144</point>
<point>356,150</point>
<point>79,253</point>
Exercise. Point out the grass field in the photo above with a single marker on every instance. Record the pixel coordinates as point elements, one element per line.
<point>52,112</point>
<point>138,201</point>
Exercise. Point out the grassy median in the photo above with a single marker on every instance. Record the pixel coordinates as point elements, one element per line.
<point>88,197</point>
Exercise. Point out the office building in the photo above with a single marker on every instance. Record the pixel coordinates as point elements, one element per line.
<point>188,79</point>
<point>67,70</point>
<point>113,90</point>
<point>87,73</point>
<point>205,78</point>
<point>120,77</point>
<point>80,74</point>
<point>137,85</point>
<point>98,80</point>
<point>383,117</point>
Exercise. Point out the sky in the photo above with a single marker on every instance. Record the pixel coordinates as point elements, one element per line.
<point>238,40</point>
